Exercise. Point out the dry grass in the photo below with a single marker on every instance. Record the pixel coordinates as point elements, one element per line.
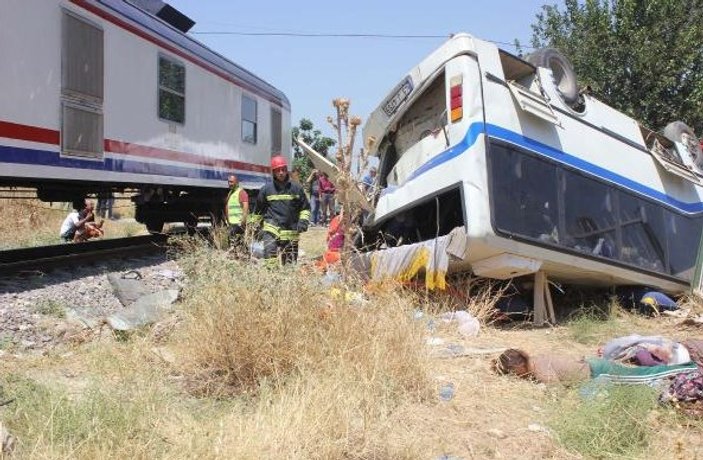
<point>271,364</point>
<point>324,373</point>
<point>29,222</point>
<point>313,242</point>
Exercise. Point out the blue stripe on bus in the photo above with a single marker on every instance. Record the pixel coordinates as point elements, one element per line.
<point>494,131</point>
<point>34,157</point>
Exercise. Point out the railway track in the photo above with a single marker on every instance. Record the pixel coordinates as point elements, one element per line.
<point>47,257</point>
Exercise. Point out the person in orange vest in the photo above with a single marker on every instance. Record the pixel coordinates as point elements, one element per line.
<point>237,211</point>
<point>285,211</point>
<point>335,239</point>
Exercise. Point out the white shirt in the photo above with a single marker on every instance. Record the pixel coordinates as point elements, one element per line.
<point>69,223</point>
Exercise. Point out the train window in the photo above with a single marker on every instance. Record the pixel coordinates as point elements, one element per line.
<point>81,131</point>
<point>82,88</point>
<point>82,59</point>
<point>172,90</point>
<point>524,194</point>
<point>249,119</point>
<point>276,131</point>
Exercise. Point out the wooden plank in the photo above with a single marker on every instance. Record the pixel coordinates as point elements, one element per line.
<point>550,304</point>
<point>540,310</point>
<point>324,165</point>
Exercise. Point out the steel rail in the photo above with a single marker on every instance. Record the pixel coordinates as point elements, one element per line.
<point>42,258</point>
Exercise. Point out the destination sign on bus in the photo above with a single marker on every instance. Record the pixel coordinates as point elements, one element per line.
<point>398,96</point>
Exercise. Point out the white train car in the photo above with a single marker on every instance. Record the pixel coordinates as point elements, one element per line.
<point>538,174</point>
<point>102,95</point>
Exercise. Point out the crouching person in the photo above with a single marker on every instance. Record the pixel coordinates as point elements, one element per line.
<point>285,212</point>
<point>80,224</point>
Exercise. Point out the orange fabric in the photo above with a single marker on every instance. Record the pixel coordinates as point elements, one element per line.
<point>331,257</point>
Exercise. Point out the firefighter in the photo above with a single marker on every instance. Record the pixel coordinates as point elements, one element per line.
<point>237,210</point>
<point>285,211</point>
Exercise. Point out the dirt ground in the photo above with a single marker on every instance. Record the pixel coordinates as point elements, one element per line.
<point>475,414</point>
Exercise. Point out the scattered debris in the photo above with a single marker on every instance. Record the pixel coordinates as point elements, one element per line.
<point>164,354</point>
<point>537,428</point>
<point>145,310</point>
<point>128,289</point>
<point>695,321</point>
<point>170,274</point>
<point>468,324</point>
<point>7,440</point>
<point>435,341</point>
<point>644,300</point>
<point>496,433</point>
<point>446,391</point>
<point>454,350</point>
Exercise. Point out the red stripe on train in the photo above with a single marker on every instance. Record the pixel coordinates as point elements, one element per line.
<point>50,136</point>
<point>128,148</point>
<point>28,133</point>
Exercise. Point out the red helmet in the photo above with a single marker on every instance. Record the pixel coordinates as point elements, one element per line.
<point>278,162</point>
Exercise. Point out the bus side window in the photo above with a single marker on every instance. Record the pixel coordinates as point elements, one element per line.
<point>590,216</point>
<point>524,194</point>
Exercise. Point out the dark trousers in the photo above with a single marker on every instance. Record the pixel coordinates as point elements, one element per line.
<point>236,238</point>
<point>273,247</point>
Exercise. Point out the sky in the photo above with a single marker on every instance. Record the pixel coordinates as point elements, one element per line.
<point>312,71</point>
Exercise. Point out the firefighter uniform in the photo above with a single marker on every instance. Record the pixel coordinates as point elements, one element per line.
<point>285,211</point>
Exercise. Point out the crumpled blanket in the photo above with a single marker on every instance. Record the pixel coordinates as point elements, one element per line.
<point>685,388</point>
<point>695,349</point>
<point>402,263</point>
<point>625,349</point>
<point>686,391</point>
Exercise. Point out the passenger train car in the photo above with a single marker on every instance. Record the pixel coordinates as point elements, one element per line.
<point>536,172</point>
<point>98,96</point>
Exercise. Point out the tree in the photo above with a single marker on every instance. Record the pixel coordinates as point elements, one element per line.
<point>314,138</point>
<point>643,57</point>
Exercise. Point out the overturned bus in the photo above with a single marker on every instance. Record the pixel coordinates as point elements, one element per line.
<point>537,175</point>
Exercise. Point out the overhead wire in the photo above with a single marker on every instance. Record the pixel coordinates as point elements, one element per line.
<point>339,35</point>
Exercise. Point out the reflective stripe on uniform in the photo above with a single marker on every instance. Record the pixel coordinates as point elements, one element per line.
<point>281,234</point>
<point>271,262</point>
<point>272,229</point>
<point>234,207</point>
<point>280,197</point>
<point>255,219</point>
<point>304,215</point>
<point>289,235</point>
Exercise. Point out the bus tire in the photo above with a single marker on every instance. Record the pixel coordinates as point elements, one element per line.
<point>562,70</point>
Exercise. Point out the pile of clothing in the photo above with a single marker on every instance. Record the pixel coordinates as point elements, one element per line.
<point>681,363</point>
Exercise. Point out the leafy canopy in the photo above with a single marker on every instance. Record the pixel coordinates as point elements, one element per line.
<point>644,58</point>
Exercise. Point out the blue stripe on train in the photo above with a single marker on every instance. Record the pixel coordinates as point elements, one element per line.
<point>478,128</point>
<point>35,157</point>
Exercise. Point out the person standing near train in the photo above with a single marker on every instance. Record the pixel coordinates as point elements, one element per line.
<point>237,211</point>
<point>285,211</point>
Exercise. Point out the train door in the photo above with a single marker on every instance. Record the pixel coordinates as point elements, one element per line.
<point>82,87</point>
